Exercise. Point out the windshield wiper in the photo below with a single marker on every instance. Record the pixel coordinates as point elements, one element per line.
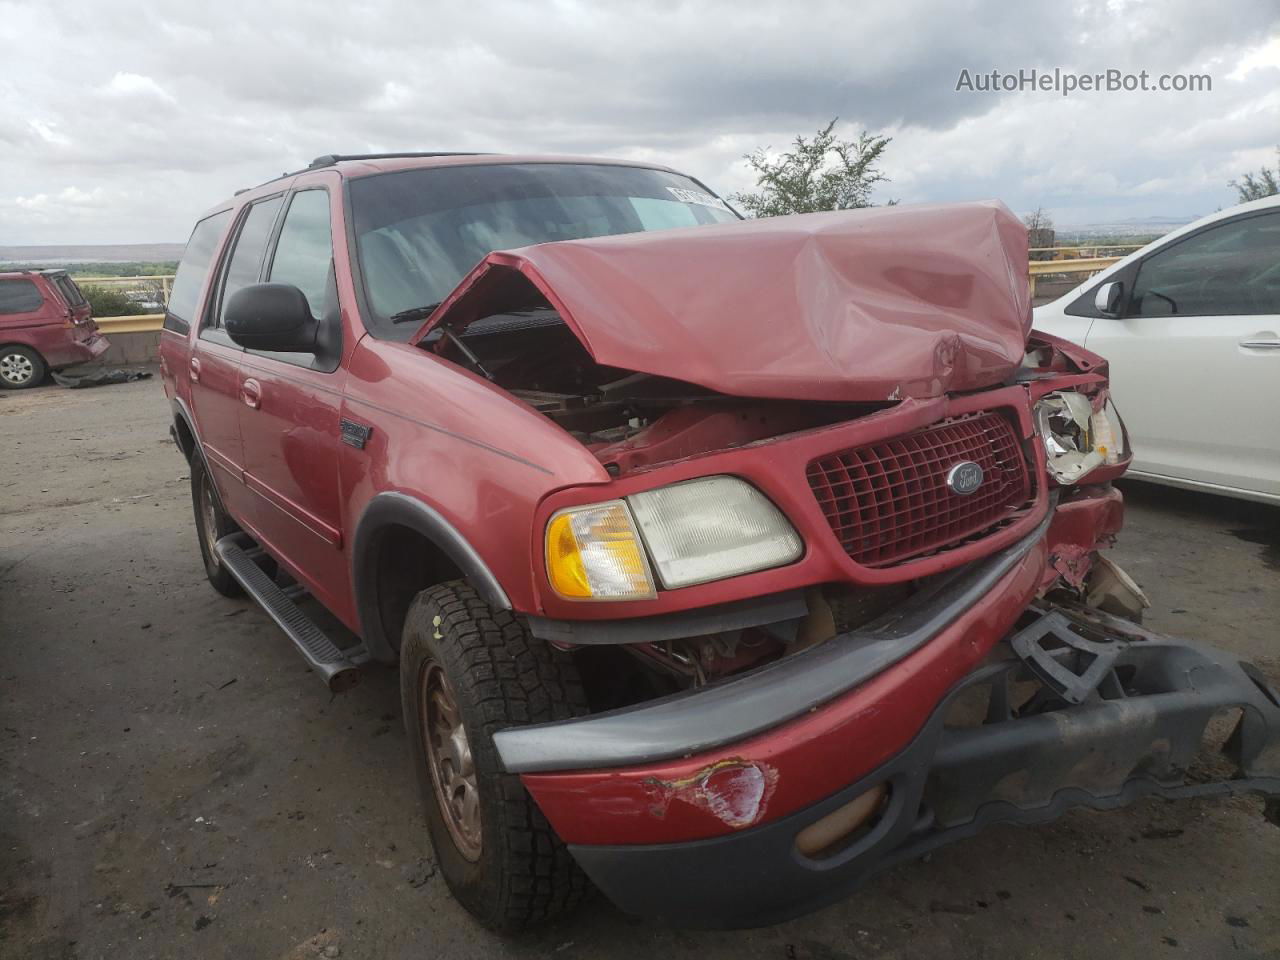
<point>415,313</point>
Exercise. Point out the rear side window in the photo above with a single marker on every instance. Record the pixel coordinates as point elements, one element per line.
<point>187,283</point>
<point>304,252</point>
<point>67,287</point>
<point>245,265</point>
<point>19,296</point>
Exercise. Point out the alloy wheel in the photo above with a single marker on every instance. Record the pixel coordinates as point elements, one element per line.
<point>17,368</point>
<point>448,750</point>
<point>209,519</point>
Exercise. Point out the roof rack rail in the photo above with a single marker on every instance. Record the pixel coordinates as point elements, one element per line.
<point>329,159</point>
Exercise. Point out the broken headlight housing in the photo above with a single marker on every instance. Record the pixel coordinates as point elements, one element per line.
<point>1077,438</point>
<point>688,533</point>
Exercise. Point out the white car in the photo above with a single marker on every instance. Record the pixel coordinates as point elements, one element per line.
<point>1190,325</point>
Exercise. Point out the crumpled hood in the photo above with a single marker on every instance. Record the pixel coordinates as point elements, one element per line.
<point>863,305</point>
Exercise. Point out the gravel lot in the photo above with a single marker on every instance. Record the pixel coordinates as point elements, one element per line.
<point>175,783</point>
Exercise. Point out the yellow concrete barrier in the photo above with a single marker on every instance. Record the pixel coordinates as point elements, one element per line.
<point>1086,265</point>
<point>150,322</point>
<point>143,323</point>
<point>1081,265</point>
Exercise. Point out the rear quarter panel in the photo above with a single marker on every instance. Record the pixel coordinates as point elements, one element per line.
<point>175,351</point>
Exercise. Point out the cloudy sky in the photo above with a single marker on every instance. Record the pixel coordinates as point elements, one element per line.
<point>120,121</point>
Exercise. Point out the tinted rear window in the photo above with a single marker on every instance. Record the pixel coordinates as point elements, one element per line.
<point>67,287</point>
<point>19,296</point>
<point>184,299</point>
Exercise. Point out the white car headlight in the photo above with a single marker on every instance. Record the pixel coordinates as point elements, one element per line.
<point>712,528</point>
<point>1077,438</point>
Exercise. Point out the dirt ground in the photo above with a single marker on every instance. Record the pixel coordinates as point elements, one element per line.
<point>175,783</point>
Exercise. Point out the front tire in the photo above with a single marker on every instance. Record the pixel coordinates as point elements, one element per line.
<point>212,524</point>
<point>466,672</point>
<point>20,367</point>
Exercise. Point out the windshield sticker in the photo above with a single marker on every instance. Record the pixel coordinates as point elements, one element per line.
<point>698,197</point>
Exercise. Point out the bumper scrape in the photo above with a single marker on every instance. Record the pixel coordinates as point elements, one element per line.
<point>1031,757</point>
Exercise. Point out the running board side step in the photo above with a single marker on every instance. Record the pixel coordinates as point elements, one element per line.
<point>236,552</point>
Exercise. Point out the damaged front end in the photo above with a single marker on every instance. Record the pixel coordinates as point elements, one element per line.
<point>838,595</point>
<point>1081,709</point>
<point>981,698</point>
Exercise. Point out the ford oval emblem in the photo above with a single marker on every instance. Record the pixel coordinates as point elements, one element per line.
<point>964,478</point>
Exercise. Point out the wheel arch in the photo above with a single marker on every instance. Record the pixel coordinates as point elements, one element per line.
<point>185,436</point>
<point>426,549</point>
<point>5,344</point>
<point>44,361</point>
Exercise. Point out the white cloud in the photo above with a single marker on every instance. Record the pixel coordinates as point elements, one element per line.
<point>66,197</point>
<point>135,85</point>
<point>1262,57</point>
<point>48,132</point>
<point>161,123</point>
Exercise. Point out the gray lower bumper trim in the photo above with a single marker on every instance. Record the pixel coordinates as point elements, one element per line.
<point>697,720</point>
<point>771,609</point>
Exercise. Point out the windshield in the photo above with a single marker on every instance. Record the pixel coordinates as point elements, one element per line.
<point>418,232</point>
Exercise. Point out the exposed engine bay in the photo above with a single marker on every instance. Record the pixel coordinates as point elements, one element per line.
<point>628,420</point>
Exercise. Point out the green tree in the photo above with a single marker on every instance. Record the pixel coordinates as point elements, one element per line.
<point>1255,186</point>
<point>108,301</point>
<point>822,173</point>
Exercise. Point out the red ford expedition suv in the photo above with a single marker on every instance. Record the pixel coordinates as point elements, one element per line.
<point>726,563</point>
<point>45,324</point>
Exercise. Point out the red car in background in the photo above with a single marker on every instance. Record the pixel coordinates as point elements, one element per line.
<point>45,324</point>
<point>725,563</point>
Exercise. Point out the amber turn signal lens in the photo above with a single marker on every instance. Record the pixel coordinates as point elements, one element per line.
<point>594,553</point>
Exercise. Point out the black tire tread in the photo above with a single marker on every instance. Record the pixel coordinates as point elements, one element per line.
<point>220,579</point>
<point>505,677</point>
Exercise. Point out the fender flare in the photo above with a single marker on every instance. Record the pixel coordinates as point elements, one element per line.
<point>392,508</point>
<point>181,412</point>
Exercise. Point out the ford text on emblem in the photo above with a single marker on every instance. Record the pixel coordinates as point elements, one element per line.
<point>964,478</point>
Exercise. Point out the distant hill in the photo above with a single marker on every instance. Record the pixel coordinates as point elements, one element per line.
<point>1138,229</point>
<point>92,253</point>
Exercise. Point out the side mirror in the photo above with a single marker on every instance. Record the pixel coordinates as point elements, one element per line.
<point>271,316</point>
<point>1107,298</point>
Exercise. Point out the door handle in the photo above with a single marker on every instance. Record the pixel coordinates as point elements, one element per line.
<point>195,369</point>
<point>1262,344</point>
<point>251,393</point>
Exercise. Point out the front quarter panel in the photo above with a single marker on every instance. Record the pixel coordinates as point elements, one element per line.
<point>468,450</point>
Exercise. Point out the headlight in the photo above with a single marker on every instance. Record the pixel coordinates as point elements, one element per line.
<point>694,532</point>
<point>712,528</point>
<point>1076,438</point>
<point>594,553</point>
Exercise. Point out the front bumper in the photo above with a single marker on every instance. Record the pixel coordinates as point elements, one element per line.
<point>755,748</point>
<point>1136,730</point>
